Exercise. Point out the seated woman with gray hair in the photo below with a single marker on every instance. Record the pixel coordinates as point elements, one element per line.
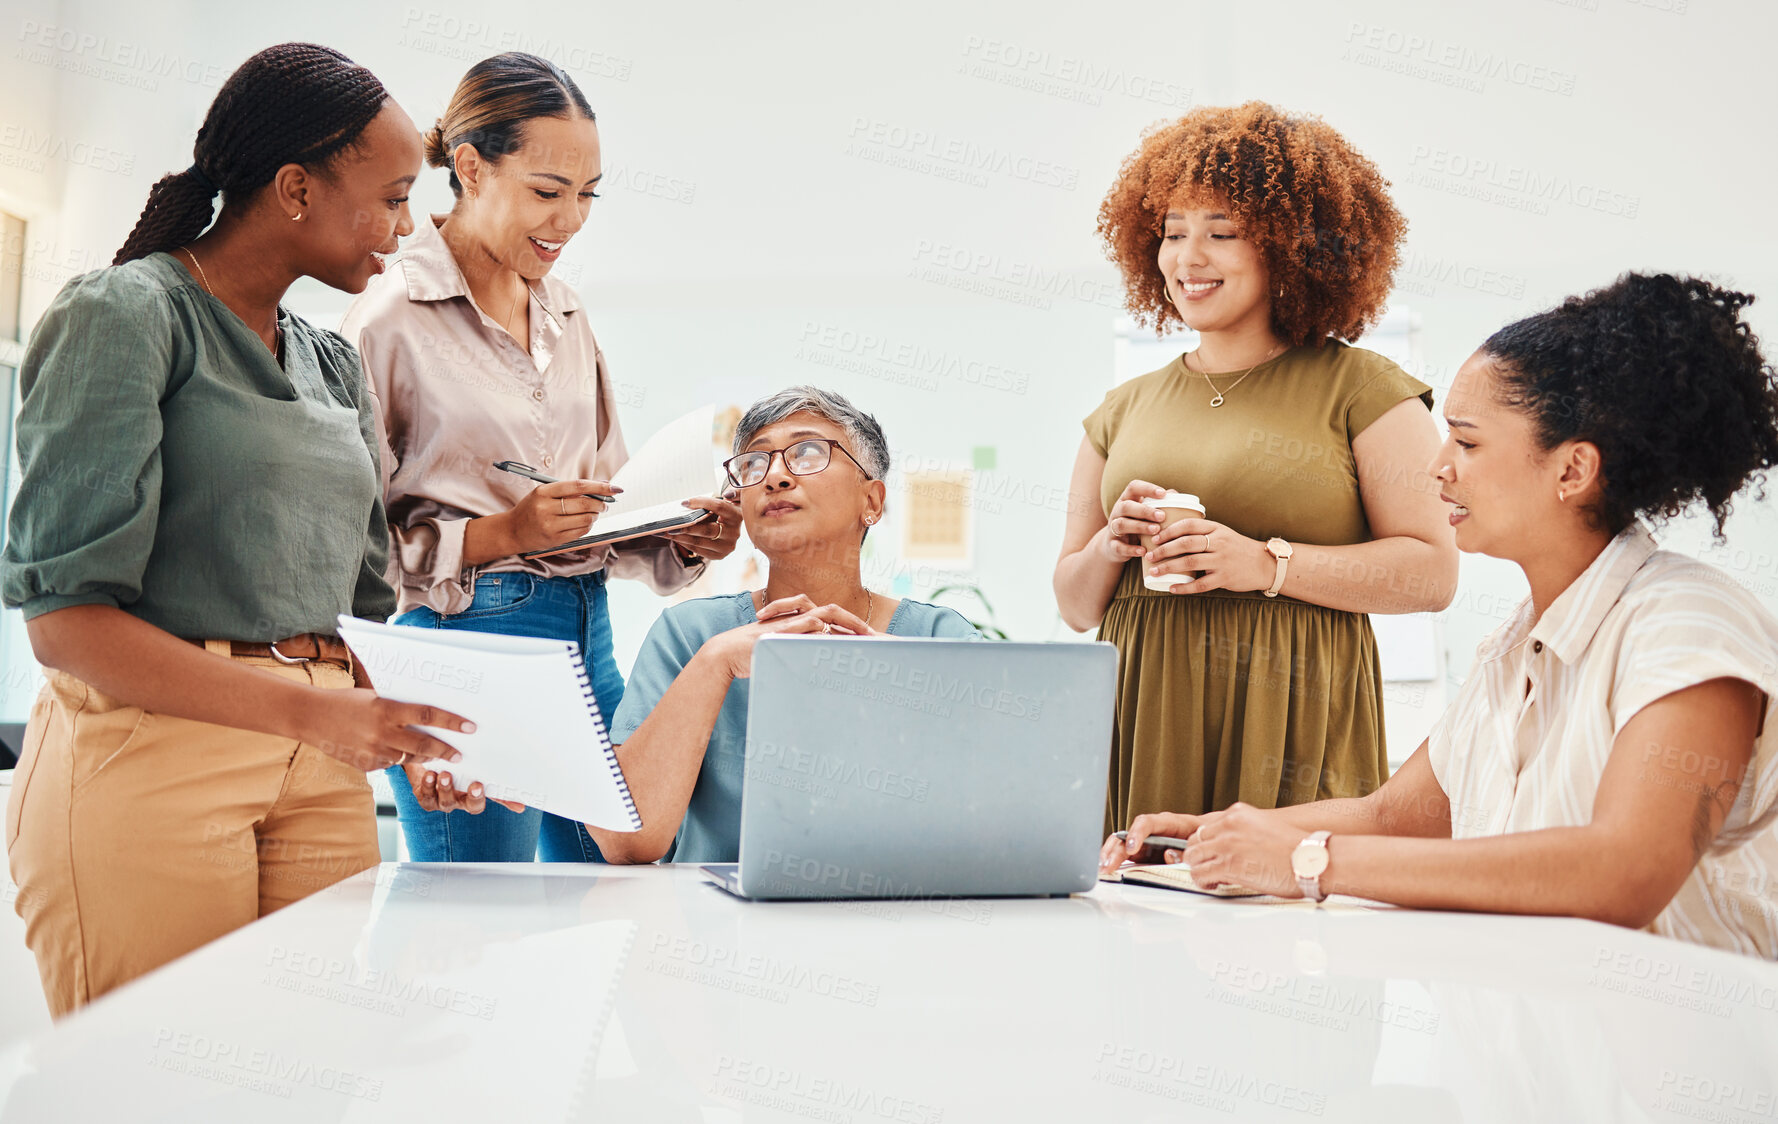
<point>808,468</point>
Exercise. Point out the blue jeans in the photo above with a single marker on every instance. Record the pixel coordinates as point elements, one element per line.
<point>515,604</point>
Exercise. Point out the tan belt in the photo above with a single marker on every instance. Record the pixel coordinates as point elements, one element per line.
<point>295,649</point>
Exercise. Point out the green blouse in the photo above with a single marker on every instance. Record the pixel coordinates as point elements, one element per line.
<point>172,468</point>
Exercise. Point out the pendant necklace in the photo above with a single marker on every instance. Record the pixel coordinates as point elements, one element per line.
<point>1218,400</point>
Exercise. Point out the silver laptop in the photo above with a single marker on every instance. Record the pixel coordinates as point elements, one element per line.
<point>917,769</point>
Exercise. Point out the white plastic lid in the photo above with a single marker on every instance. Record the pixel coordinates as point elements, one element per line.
<point>1178,499</point>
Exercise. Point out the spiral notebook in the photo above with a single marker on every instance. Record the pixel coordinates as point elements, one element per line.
<point>539,736</point>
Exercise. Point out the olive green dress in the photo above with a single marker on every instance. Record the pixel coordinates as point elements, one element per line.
<point>1228,696</point>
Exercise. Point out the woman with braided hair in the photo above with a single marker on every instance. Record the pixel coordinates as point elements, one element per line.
<point>200,501</point>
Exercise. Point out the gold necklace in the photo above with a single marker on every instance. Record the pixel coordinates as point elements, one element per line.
<point>201,276</point>
<point>1217,401</point>
<point>277,328</point>
<point>524,291</point>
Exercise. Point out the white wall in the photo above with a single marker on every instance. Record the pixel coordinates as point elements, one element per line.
<point>741,221</point>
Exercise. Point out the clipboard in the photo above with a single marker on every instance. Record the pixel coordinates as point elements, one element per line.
<point>672,466</point>
<point>654,527</point>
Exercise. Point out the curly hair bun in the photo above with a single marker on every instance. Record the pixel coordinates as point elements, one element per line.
<point>1662,374</point>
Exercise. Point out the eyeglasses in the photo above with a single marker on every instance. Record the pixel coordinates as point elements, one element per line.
<point>805,458</point>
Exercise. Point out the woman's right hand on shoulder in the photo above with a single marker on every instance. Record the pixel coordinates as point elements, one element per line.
<point>732,651</point>
<point>369,732</point>
<point>1117,851</point>
<point>1130,516</point>
<point>553,514</point>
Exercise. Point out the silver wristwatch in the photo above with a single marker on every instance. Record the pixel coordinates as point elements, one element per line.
<point>1307,862</point>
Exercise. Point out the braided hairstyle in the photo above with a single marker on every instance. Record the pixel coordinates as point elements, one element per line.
<point>492,103</point>
<point>295,103</point>
<point>1664,376</point>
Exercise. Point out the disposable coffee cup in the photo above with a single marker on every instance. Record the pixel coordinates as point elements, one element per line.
<point>1173,507</point>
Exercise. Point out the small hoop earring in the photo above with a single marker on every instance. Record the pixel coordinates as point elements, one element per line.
<point>869,520</point>
<point>1560,498</point>
<point>298,217</point>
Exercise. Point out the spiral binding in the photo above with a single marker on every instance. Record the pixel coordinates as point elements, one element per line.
<point>580,1102</point>
<point>592,706</point>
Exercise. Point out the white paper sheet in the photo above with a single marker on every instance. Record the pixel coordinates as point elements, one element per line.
<point>539,738</point>
<point>672,466</point>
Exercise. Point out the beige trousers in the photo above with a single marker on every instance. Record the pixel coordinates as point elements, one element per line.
<point>136,837</point>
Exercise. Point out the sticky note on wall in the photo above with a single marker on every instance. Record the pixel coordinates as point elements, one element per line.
<point>937,523</point>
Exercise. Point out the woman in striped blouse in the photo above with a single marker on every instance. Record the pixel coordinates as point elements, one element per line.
<point>1614,753</point>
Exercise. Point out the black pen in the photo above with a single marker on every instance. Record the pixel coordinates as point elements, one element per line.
<point>1161,841</point>
<point>530,473</point>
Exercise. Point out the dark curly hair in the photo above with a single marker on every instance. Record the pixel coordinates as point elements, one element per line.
<point>295,103</point>
<point>1661,373</point>
<point>1319,212</point>
<point>492,104</point>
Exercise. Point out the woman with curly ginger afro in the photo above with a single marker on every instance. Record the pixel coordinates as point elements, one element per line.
<point>1249,671</point>
<point>1614,753</point>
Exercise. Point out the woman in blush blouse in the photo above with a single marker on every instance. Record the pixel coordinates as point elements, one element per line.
<point>477,355</point>
<point>1614,753</point>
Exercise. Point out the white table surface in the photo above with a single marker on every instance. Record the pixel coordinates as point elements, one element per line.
<point>547,993</point>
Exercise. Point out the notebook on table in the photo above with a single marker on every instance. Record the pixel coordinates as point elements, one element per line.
<point>1175,876</point>
<point>539,738</point>
<point>674,465</point>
